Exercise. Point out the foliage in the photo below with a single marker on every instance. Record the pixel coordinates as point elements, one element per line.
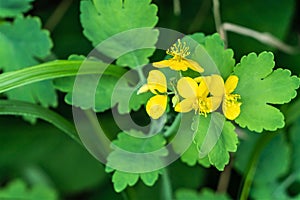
<point>211,104</point>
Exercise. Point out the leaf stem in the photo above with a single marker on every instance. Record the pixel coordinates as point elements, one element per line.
<point>141,74</point>
<point>260,145</point>
<point>166,186</point>
<point>174,127</point>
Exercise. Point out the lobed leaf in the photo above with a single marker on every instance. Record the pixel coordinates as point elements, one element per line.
<point>260,86</point>
<point>13,8</point>
<point>131,153</point>
<point>23,43</point>
<point>99,25</point>
<point>214,138</point>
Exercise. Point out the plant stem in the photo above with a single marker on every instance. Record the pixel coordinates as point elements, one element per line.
<point>265,38</point>
<point>141,74</point>
<point>200,16</point>
<point>217,18</point>
<point>260,145</point>
<point>57,15</point>
<point>225,178</point>
<point>174,127</point>
<point>166,193</point>
<point>177,7</point>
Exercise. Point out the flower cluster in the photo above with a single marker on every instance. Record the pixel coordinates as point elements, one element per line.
<point>203,94</point>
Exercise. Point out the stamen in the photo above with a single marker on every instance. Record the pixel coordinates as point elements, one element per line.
<point>179,50</point>
<point>231,99</point>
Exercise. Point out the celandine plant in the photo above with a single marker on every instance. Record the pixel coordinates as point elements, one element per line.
<point>195,100</point>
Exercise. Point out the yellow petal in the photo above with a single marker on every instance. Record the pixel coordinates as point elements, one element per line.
<point>202,90</point>
<point>231,83</point>
<point>185,105</point>
<point>187,87</point>
<point>214,103</point>
<point>198,79</point>
<point>157,81</point>
<point>156,106</point>
<point>194,66</point>
<point>162,64</point>
<point>231,111</point>
<point>216,85</point>
<point>179,65</point>
<point>143,89</point>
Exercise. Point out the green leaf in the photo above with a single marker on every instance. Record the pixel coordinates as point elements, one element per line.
<point>103,94</point>
<point>13,8</point>
<point>22,43</point>
<point>214,138</point>
<point>210,54</point>
<point>269,167</point>
<point>133,153</point>
<point>127,98</point>
<point>17,189</point>
<point>259,86</point>
<point>184,194</point>
<point>103,19</point>
<point>104,90</point>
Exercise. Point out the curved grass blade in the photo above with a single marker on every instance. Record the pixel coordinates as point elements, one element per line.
<point>55,69</point>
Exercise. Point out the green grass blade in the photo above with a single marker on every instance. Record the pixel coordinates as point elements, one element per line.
<point>55,69</point>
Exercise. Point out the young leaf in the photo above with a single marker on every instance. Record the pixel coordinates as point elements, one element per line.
<point>23,43</point>
<point>129,151</point>
<point>260,86</point>
<point>102,20</point>
<point>206,134</point>
<point>13,8</point>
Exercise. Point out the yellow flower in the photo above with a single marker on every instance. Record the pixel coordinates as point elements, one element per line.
<point>179,62</point>
<point>157,84</point>
<point>231,106</point>
<point>196,96</point>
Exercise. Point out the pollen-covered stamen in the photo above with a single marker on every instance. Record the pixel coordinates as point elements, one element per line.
<point>179,50</point>
<point>201,107</point>
<point>231,99</point>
